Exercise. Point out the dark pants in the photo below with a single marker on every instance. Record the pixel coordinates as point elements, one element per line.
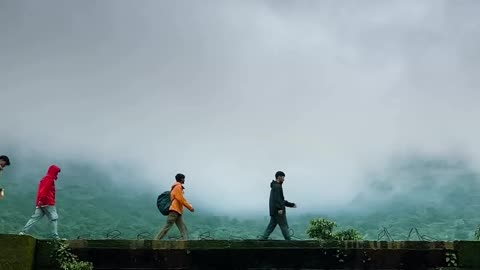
<point>173,218</point>
<point>281,220</point>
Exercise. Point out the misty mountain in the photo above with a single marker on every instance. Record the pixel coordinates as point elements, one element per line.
<point>424,181</point>
<point>436,196</point>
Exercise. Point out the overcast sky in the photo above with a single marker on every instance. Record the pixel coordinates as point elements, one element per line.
<point>228,92</point>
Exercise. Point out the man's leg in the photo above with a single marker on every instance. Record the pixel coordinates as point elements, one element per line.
<point>172,217</point>
<point>182,228</point>
<point>51,212</point>
<point>282,222</point>
<point>37,215</point>
<point>271,226</point>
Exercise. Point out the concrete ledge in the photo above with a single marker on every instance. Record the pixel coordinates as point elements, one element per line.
<point>255,244</point>
<point>16,252</point>
<point>27,253</point>
<point>468,253</point>
<point>254,254</point>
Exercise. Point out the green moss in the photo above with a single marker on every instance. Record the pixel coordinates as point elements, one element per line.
<point>17,252</point>
<point>468,253</point>
<point>43,253</point>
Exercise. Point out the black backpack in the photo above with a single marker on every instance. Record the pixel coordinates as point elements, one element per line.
<point>164,202</point>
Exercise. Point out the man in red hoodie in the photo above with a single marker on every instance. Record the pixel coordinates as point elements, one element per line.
<point>45,202</point>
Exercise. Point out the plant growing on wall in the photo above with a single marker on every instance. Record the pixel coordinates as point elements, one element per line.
<point>322,229</point>
<point>67,260</point>
<point>349,234</point>
<point>451,259</point>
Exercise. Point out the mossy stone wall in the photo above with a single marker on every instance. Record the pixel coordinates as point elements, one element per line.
<point>17,252</point>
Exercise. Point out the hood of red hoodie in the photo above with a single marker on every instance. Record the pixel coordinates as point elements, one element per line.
<point>53,171</point>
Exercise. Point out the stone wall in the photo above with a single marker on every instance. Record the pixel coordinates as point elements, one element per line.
<point>18,252</point>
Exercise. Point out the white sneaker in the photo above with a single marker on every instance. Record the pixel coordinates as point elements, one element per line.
<point>21,233</point>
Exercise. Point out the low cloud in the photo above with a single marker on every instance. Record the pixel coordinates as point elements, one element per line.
<point>229,93</point>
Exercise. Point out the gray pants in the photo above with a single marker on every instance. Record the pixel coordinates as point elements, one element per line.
<point>281,220</point>
<point>173,218</point>
<point>50,212</point>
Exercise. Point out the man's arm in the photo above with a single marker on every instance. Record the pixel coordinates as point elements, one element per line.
<point>289,204</point>
<point>178,195</point>
<point>2,190</point>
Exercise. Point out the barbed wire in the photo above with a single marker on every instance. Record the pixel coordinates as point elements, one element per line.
<point>208,236</point>
<point>83,236</point>
<point>143,235</point>
<point>292,234</point>
<point>260,236</point>
<point>114,234</point>
<point>421,237</point>
<point>383,233</point>
<point>205,236</point>
<point>233,237</point>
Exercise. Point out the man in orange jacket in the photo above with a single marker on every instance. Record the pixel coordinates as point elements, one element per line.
<point>176,209</point>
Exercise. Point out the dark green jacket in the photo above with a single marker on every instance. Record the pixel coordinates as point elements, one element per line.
<point>277,200</point>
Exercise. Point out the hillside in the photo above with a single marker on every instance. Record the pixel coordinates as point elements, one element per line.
<point>441,201</point>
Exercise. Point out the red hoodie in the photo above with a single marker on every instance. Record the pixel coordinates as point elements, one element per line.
<point>46,187</point>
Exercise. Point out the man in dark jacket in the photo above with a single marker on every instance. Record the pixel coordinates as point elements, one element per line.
<point>277,208</point>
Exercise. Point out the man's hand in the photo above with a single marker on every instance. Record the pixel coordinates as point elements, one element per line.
<point>193,209</point>
<point>294,205</point>
<point>280,212</point>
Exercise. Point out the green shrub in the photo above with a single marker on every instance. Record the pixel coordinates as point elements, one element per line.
<point>322,229</point>
<point>349,234</point>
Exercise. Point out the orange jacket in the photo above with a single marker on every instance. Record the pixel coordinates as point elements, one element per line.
<point>178,201</point>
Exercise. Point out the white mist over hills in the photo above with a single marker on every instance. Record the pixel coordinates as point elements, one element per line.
<point>229,93</point>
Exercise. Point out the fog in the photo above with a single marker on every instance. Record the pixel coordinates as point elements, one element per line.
<point>230,92</point>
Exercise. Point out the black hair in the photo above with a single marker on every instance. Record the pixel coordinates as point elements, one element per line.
<point>278,174</point>
<point>6,159</point>
<point>179,177</point>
